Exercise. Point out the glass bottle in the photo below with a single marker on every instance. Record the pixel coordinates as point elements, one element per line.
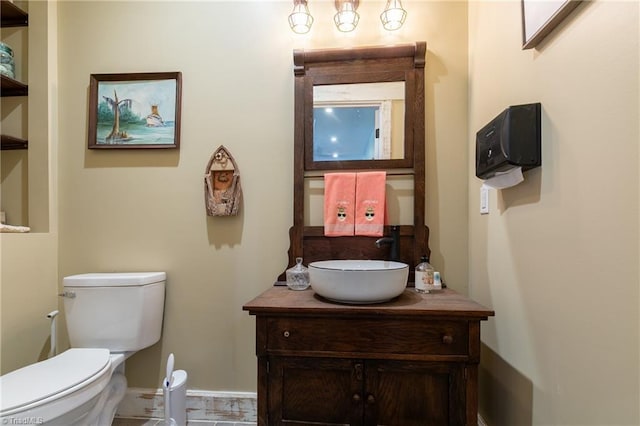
<point>298,276</point>
<point>424,276</point>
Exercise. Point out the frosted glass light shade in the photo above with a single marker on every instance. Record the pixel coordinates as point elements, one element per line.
<point>347,18</point>
<point>300,19</point>
<point>393,16</point>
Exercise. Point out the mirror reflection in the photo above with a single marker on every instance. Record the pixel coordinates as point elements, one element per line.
<point>358,121</point>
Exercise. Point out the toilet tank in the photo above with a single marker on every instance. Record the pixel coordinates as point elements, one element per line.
<point>117,311</point>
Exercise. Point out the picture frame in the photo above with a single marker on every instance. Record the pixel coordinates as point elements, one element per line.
<point>539,18</point>
<point>135,110</point>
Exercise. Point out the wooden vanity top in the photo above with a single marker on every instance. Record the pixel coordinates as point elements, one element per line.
<point>445,303</point>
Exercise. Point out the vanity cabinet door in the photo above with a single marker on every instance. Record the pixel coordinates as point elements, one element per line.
<point>319,391</point>
<point>414,393</point>
<point>334,391</point>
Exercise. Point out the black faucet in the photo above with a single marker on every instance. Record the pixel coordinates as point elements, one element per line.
<point>393,241</point>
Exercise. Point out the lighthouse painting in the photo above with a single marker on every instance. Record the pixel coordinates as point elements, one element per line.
<point>135,110</point>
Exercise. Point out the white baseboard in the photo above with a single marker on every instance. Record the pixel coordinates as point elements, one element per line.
<point>239,408</point>
<point>207,407</point>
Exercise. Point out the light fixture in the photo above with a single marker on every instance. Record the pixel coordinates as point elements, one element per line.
<point>300,19</point>
<point>393,16</point>
<point>347,18</point>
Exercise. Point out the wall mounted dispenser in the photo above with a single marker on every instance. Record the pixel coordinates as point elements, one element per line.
<point>511,140</point>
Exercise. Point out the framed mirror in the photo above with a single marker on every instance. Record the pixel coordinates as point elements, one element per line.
<point>379,89</point>
<point>359,108</point>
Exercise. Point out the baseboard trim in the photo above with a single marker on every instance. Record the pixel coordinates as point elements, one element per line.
<point>202,406</point>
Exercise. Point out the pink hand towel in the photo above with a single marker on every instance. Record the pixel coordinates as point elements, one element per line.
<point>370,203</point>
<point>339,204</point>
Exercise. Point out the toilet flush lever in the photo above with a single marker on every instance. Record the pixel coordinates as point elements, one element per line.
<point>69,294</point>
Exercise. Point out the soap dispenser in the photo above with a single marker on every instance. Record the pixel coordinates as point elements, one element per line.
<point>424,276</point>
<point>298,276</point>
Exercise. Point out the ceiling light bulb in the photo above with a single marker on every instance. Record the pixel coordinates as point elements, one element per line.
<point>300,19</point>
<point>347,18</point>
<point>393,16</point>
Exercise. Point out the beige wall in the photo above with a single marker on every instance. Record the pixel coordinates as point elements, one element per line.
<point>557,257</point>
<point>144,210</point>
<point>29,283</point>
<point>29,262</point>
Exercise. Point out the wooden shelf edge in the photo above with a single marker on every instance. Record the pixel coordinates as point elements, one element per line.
<point>12,15</point>
<point>11,87</point>
<point>10,143</point>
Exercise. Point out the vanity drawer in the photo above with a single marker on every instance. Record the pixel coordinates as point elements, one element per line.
<point>403,337</point>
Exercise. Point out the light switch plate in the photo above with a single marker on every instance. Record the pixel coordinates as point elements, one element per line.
<point>484,200</point>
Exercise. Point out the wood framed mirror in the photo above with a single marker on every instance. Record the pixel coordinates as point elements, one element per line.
<point>359,78</point>
<point>360,107</point>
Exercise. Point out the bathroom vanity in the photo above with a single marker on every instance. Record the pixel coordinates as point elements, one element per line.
<point>410,361</point>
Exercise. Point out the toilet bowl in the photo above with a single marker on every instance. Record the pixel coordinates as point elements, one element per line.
<point>109,317</point>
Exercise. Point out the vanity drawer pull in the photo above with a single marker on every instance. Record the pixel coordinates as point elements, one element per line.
<point>447,339</point>
<point>286,333</point>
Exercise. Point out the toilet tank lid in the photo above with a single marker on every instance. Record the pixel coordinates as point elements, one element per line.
<point>110,279</point>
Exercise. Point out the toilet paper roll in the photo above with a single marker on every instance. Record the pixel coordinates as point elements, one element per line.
<point>503,180</point>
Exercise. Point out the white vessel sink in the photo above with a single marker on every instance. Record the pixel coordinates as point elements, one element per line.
<point>358,281</point>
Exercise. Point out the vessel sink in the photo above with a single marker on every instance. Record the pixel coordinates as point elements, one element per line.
<point>358,281</point>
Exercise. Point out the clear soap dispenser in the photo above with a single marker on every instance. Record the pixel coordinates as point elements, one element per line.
<point>424,276</point>
<point>298,276</point>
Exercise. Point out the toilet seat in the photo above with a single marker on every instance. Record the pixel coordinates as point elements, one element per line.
<point>44,383</point>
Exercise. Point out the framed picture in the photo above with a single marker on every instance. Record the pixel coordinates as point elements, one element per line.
<point>140,110</point>
<point>540,17</point>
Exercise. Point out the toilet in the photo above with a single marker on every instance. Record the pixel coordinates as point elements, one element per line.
<point>109,317</point>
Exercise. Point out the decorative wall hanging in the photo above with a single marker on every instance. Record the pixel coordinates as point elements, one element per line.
<point>539,18</point>
<point>135,110</point>
<point>222,190</point>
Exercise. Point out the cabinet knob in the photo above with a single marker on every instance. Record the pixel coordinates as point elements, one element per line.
<point>358,372</point>
<point>356,397</point>
<point>286,333</point>
<point>371,399</point>
<point>447,339</point>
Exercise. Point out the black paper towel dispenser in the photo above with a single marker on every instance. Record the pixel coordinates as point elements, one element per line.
<point>512,139</point>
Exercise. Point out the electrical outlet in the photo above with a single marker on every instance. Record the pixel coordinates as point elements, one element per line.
<point>484,200</point>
